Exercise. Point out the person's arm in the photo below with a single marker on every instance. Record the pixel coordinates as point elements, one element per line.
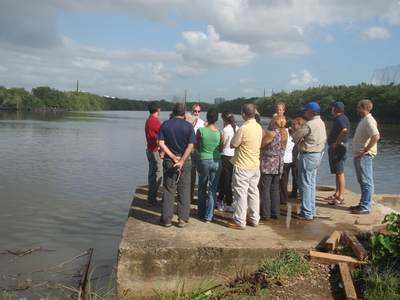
<point>166,150</point>
<point>371,143</point>
<point>185,155</point>
<point>221,141</point>
<point>340,139</point>
<point>299,134</point>
<point>268,137</point>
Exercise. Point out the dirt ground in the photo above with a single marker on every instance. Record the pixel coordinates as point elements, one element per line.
<point>322,282</point>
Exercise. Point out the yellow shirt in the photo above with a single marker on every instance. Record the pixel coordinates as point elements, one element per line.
<point>247,141</point>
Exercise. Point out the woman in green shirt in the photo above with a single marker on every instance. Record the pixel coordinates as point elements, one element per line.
<point>210,141</point>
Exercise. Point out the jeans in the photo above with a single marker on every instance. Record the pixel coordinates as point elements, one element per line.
<point>307,182</point>
<point>365,178</point>
<point>194,155</point>
<point>209,172</point>
<point>154,176</point>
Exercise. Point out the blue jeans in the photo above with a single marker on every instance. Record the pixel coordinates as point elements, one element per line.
<point>209,171</point>
<point>365,178</point>
<point>307,182</point>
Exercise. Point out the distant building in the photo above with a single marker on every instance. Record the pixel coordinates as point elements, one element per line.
<point>219,100</point>
<point>177,99</point>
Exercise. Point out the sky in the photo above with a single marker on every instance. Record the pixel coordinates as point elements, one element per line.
<point>201,49</point>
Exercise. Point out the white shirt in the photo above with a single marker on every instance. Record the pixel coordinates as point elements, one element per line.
<point>228,135</point>
<point>288,157</point>
<point>199,124</point>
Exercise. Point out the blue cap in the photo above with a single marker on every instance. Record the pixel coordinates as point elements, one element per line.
<point>314,106</point>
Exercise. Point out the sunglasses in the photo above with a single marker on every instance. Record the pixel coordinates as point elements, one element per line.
<point>197,111</point>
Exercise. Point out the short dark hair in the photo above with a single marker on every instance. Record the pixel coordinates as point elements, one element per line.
<point>153,107</point>
<point>179,109</point>
<point>212,115</point>
<point>249,110</point>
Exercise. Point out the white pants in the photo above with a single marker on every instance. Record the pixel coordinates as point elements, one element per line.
<point>246,194</point>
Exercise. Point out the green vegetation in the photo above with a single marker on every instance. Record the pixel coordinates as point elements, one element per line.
<point>386,99</point>
<point>381,278</point>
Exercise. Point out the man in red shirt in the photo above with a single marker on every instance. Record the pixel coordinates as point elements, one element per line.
<point>153,153</point>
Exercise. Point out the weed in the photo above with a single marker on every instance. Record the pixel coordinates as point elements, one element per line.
<point>9,295</point>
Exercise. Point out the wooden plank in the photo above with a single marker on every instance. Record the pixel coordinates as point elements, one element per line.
<point>355,245</point>
<point>333,240</point>
<point>347,281</point>
<point>329,259</point>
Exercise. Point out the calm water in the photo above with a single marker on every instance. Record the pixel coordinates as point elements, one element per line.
<point>67,181</point>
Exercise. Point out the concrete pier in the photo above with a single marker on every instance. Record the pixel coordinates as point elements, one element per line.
<point>150,254</point>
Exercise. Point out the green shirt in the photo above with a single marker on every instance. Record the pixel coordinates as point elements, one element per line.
<point>209,143</point>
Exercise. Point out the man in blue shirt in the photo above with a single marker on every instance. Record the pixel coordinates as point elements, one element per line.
<point>337,151</point>
<point>176,138</point>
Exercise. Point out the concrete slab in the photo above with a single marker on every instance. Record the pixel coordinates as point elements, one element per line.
<point>150,254</point>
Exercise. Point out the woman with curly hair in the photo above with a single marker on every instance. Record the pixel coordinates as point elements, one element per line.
<point>272,150</point>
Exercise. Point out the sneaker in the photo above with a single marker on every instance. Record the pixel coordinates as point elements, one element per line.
<point>218,204</point>
<point>228,208</point>
<point>233,225</point>
<point>162,223</point>
<point>207,221</point>
<point>221,207</point>
<point>251,223</point>
<point>182,223</point>
<point>360,211</point>
<point>355,207</point>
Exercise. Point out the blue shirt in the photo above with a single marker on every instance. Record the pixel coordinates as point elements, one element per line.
<point>340,122</point>
<point>176,133</point>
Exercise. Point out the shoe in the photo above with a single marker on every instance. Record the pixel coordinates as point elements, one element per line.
<point>360,211</point>
<point>292,196</point>
<point>182,223</point>
<point>266,219</point>
<point>333,197</point>
<point>276,217</point>
<point>301,217</point>
<point>355,207</point>
<point>162,223</point>
<point>218,204</point>
<point>251,223</point>
<point>207,221</point>
<point>154,203</point>
<point>221,207</point>
<point>337,201</point>
<point>283,203</point>
<point>233,225</point>
<point>228,208</point>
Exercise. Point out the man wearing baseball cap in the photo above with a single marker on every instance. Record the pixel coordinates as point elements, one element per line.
<point>337,151</point>
<point>312,138</point>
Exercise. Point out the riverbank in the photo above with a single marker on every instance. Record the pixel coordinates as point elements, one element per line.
<point>149,252</point>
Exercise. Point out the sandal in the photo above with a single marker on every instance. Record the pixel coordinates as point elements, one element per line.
<point>337,201</point>
<point>333,197</point>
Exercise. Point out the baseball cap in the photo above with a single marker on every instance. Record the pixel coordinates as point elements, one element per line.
<point>314,106</point>
<point>338,105</point>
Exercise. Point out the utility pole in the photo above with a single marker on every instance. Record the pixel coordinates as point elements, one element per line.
<point>185,95</point>
<point>77,85</point>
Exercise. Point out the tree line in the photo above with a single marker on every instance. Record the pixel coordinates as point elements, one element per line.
<point>386,100</point>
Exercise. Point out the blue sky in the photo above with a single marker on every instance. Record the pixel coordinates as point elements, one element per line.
<point>158,49</point>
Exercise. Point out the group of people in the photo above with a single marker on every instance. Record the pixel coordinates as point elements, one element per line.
<point>253,163</point>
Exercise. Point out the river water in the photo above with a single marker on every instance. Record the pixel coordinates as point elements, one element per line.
<point>67,180</point>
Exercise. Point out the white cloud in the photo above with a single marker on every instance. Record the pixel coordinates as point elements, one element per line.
<point>301,80</point>
<point>330,39</point>
<point>210,51</point>
<point>374,32</point>
<point>248,91</point>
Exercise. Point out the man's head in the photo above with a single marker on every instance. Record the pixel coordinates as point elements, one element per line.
<point>179,109</point>
<point>364,107</point>
<point>196,110</point>
<point>311,109</point>
<point>337,108</point>
<point>248,111</point>
<point>280,108</point>
<point>153,107</point>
